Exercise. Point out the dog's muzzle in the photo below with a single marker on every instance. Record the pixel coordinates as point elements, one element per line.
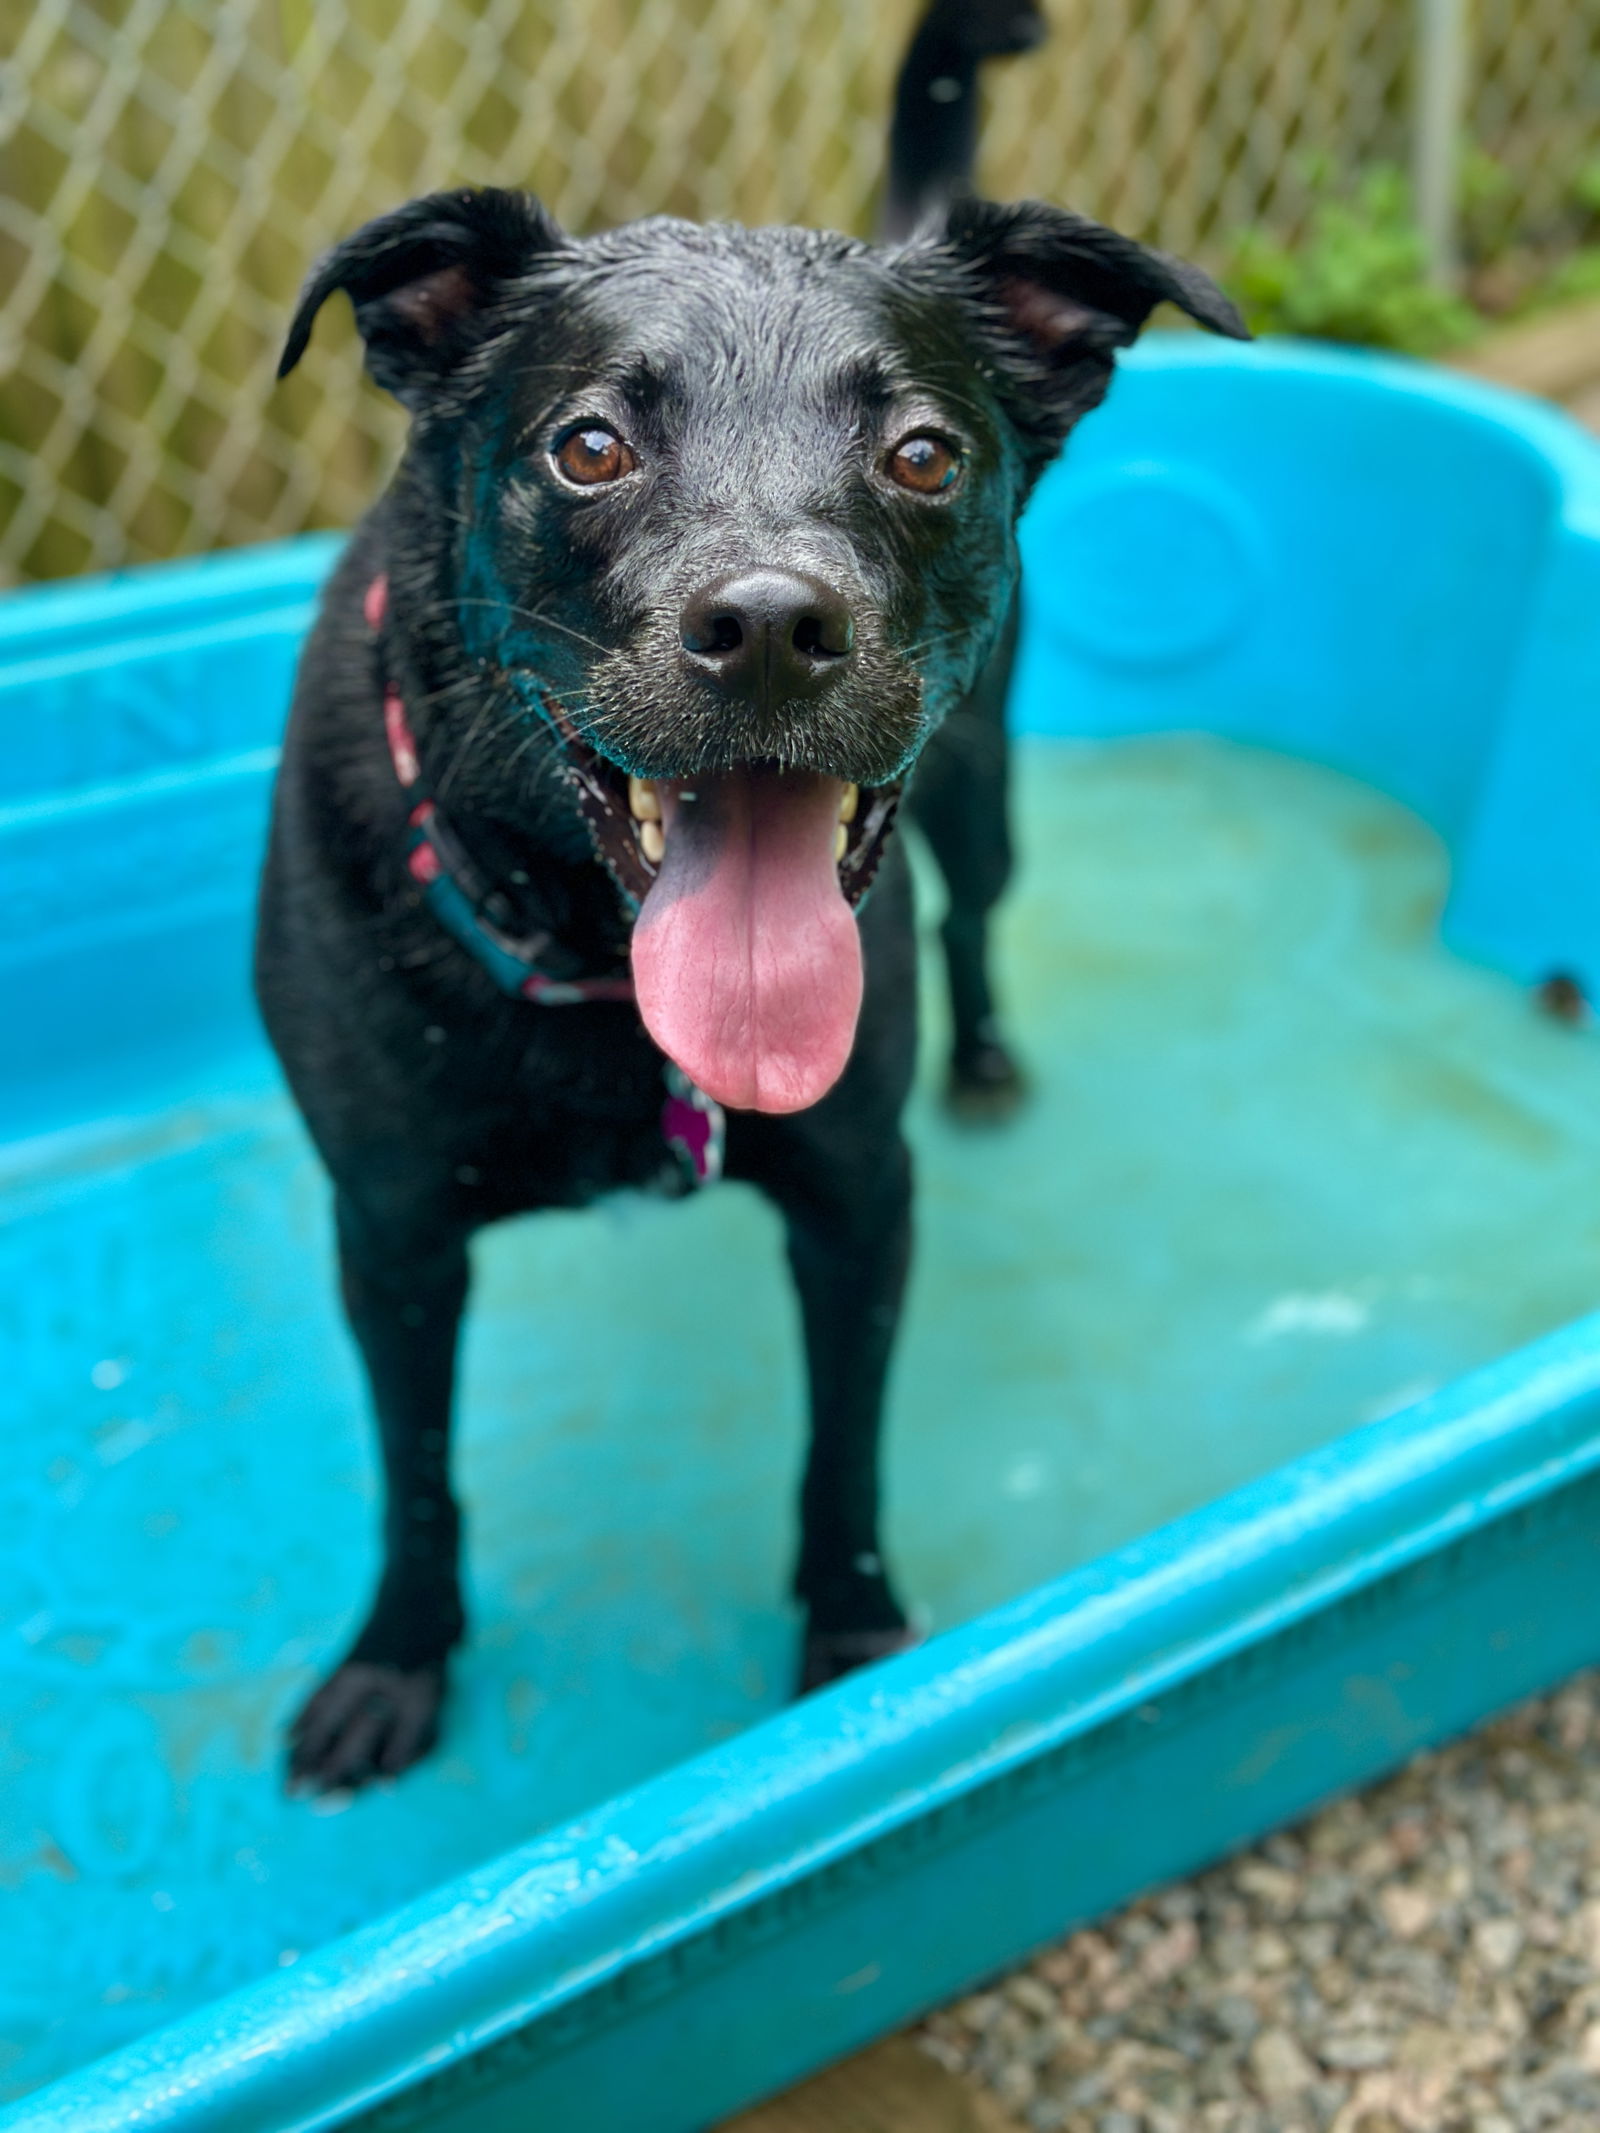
<point>767,637</point>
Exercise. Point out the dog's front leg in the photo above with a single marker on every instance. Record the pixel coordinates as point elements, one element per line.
<point>849,1257</point>
<point>404,1283</point>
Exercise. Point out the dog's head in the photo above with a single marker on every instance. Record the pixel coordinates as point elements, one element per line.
<point>711,527</point>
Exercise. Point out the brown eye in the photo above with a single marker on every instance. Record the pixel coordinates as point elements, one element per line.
<point>592,454</point>
<point>924,463</point>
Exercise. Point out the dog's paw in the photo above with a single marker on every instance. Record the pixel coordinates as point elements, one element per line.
<point>986,1086</point>
<point>829,1654</point>
<point>365,1722</point>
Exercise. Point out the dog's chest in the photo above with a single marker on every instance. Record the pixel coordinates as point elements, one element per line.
<point>558,1107</point>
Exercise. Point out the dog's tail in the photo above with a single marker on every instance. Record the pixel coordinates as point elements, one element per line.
<point>933,138</point>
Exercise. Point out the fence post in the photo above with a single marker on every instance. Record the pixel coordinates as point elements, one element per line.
<point>1438,115</point>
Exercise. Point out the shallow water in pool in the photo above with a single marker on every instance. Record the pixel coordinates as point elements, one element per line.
<point>1286,1167</point>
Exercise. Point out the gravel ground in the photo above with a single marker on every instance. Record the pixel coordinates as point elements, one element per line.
<point>1423,1958</point>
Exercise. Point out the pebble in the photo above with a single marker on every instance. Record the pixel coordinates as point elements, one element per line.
<point>1421,1958</point>
<point>1278,2067</point>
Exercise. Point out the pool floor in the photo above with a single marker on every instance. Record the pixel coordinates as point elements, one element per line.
<point>1287,1166</point>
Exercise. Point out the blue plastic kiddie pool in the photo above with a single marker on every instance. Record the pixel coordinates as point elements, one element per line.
<point>1245,1436</point>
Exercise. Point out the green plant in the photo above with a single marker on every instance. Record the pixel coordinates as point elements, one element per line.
<point>1490,203</point>
<point>1578,275</point>
<point>1586,188</point>
<point>1358,274</point>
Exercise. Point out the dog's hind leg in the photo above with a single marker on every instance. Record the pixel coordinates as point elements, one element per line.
<point>960,800</point>
<point>404,1283</point>
<point>959,795</point>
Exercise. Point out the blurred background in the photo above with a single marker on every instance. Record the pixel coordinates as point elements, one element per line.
<point>1371,170</point>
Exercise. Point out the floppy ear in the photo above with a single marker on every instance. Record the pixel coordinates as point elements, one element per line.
<point>425,281</point>
<point>1057,296</point>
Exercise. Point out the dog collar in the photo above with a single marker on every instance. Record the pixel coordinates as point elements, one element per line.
<point>478,917</point>
<point>473,911</point>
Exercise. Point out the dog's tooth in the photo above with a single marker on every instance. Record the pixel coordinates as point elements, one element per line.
<point>841,843</point>
<point>848,804</point>
<point>644,802</point>
<point>652,841</point>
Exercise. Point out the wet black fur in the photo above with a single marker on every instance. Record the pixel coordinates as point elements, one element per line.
<point>933,135</point>
<point>762,377</point>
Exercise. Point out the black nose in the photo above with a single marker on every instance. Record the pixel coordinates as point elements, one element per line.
<point>768,634</point>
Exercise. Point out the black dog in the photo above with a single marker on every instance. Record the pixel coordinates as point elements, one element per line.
<point>699,537</point>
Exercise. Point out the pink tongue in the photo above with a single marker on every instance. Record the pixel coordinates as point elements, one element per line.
<point>746,957</point>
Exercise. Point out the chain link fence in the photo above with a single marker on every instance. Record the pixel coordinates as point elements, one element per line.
<point>168,168</point>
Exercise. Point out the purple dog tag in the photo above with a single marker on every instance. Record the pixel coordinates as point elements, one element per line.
<point>693,1127</point>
